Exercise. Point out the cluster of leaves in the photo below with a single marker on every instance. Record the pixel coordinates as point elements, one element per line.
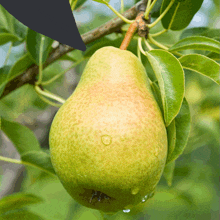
<point>200,48</point>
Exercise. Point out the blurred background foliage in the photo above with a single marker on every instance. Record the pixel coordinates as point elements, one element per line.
<point>194,193</point>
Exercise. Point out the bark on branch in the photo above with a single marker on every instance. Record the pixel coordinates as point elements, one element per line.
<point>29,76</point>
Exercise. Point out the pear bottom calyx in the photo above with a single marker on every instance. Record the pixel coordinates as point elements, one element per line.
<point>108,141</point>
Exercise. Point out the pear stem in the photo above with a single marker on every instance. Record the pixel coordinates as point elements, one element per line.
<point>131,30</point>
<point>126,41</point>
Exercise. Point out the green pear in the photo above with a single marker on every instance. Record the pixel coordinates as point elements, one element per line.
<point>108,141</point>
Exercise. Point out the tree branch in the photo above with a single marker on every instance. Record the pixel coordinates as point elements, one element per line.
<point>29,76</point>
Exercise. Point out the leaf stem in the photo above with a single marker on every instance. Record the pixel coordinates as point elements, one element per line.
<point>8,54</point>
<point>60,74</point>
<point>48,101</point>
<point>156,43</point>
<point>122,6</point>
<point>140,45</point>
<point>148,5</point>
<point>49,94</point>
<point>159,33</point>
<point>40,61</point>
<point>119,15</point>
<point>153,41</point>
<point>149,8</point>
<point>10,160</point>
<point>162,15</point>
<point>148,45</point>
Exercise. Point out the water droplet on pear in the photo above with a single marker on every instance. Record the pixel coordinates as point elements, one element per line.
<point>106,140</point>
<point>134,191</point>
<point>126,210</point>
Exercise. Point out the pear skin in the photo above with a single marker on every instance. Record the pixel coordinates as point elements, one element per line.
<point>108,141</point>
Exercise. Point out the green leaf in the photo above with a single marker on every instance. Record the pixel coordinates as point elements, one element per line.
<point>34,43</point>
<point>7,37</point>
<point>171,136</point>
<point>201,31</point>
<point>20,66</point>
<point>155,12</point>
<point>201,64</point>
<point>180,14</point>
<point>197,43</point>
<point>3,18</point>
<point>193,32</point>
<point>72,56</point>
<point>7,112</point>
<point>156,92</point>
<point>213,56</point>
<point>21,215</point>
<point>20,30</point>
<point>3,77</point>
<point>8,20</point>
<point>67,57</point>
<point>212,33</point>
<point>169,172</point>
<point>12,26</point>
<point>170,77</point>
<point>22,137</point>
<point>17,201</point>
<point>39,159</point>
<point>182,123</point>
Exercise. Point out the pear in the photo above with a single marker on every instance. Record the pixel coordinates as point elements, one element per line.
<point>108,141</point>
